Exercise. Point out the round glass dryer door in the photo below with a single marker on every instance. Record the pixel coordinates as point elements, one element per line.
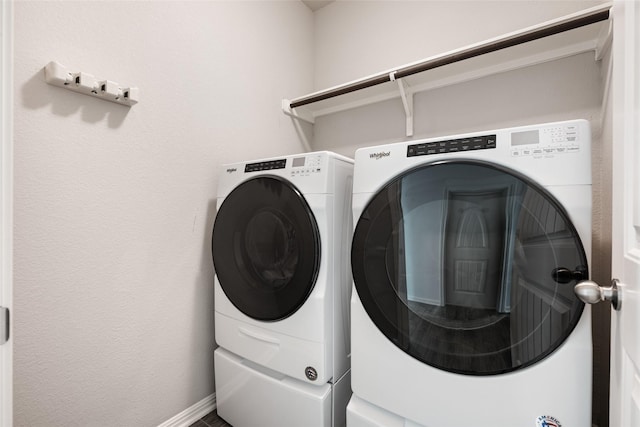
<point>469,267</point>
<point>266,248</point>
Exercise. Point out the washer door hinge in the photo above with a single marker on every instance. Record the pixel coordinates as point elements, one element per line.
<point>4,325</point>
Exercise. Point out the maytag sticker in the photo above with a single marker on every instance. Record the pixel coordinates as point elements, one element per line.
<point>547,421</point>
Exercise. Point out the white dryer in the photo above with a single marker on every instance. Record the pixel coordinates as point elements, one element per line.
<point>465,253</point>
<point>280,248</point>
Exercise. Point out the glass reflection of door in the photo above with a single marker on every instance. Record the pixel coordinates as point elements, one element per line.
<point>454,262</point>
<point>474,242</point>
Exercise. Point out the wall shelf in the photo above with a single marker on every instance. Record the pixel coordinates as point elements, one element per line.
<point>584,31</point>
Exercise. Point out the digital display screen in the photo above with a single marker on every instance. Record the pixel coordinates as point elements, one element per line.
<point>525,138</point>
<point>298,161</point>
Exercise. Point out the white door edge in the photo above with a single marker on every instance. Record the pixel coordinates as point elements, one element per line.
<point>6,210</point>
<point>625,265</point>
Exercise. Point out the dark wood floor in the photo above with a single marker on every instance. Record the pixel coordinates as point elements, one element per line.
<point>211,420</point>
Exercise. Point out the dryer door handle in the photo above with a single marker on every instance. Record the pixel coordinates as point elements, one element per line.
<point>591,293</point>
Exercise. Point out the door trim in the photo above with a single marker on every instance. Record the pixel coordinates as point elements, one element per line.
<point>6,211</point>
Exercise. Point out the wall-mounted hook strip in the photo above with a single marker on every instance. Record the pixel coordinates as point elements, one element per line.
<point>56,74</point>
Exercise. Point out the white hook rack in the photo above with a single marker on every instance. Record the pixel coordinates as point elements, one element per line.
<point>56,74</point>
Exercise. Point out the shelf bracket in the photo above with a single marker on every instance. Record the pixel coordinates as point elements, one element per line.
<point>298,113</point>
<point>604,40</point>
<point>407,101</point>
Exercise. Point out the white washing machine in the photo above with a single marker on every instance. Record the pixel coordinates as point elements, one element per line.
<point>465,253</point>
<point>280,249</point>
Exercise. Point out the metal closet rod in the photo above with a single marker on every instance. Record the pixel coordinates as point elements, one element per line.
<point>492,46</point>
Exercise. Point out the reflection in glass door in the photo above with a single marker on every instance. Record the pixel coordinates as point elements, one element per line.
<point>457,263</point>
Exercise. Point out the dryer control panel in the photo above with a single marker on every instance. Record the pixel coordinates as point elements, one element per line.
<point>481,142</point>
<point>542,152</point>
<point>546,141</point>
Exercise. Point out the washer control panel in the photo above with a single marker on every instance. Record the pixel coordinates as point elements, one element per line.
<point>306,165</point>
<point>297,166</point>
<point>546,141</point>
<point>265,166</point>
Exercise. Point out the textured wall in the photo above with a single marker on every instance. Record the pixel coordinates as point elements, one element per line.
<point>114,206</point>
<point>358,38</point>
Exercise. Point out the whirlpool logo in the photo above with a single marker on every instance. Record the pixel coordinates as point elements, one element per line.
<point>231,170</point>
<point>380,155</point>
<point>547,421</point>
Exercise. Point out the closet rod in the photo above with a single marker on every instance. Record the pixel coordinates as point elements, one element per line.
<point>579,20</point>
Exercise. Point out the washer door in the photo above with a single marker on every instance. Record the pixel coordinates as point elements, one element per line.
<point>266,248</point>
<point>469,267</point>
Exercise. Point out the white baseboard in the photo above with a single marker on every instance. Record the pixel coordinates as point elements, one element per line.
<point>192,413</point>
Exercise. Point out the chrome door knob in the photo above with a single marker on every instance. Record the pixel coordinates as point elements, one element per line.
<point>591,293</point>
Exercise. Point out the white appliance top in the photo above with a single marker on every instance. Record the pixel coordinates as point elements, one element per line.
<point>556,153</point>
<point>311,173</point>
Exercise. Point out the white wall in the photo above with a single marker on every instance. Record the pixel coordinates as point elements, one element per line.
<point>358,38</point>
<point>114,206</point>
